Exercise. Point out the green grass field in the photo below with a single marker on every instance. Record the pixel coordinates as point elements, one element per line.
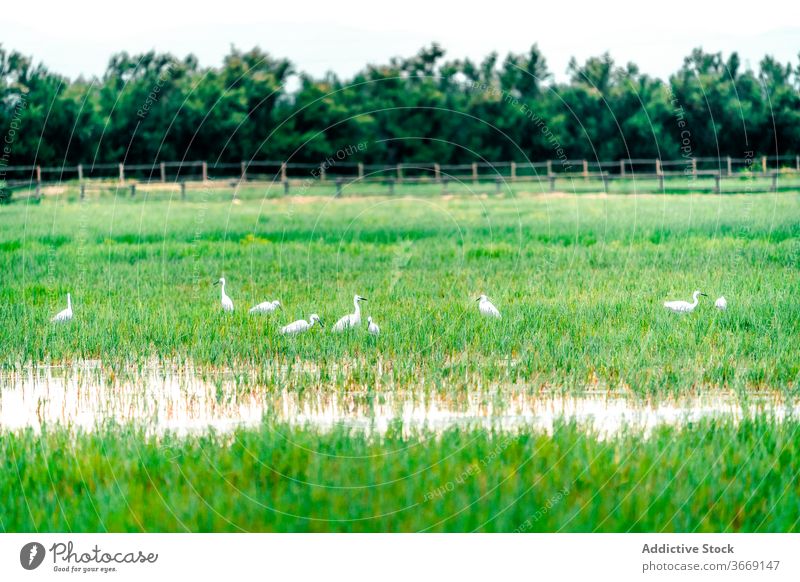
<point>713,476</point>
<point>579,279</point>
<point>580,282</point>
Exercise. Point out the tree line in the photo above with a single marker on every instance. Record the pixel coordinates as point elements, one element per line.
<point>154,107</point>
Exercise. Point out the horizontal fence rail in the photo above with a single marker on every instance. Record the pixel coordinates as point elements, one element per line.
<point>646,175</point>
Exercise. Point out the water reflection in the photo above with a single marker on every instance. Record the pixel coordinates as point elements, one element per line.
<point>183,399</point>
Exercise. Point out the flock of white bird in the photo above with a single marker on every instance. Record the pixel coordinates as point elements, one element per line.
<point>349,321</point>
<point>353,320</point>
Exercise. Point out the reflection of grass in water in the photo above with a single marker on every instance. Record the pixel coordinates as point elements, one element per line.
<point>580,282</point>
<point>711,476</point>
<point>180,397</point>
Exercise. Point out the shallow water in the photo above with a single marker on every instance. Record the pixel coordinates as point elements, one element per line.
<point>182,399</point>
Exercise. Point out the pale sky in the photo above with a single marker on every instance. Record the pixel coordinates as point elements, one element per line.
<point>77,37</point>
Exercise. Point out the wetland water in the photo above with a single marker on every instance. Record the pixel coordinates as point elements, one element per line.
<point>183,399</point>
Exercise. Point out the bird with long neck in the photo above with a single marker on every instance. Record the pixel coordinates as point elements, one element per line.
<point>352,319</point>
<point>64,314</point>
<point>684,306</point>
<point>227,303</point>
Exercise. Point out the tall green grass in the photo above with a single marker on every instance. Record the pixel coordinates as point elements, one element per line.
<point>709,476</point>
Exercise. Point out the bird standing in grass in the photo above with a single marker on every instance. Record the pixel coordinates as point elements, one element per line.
<point>684,306</point>
<point>721,303</point>
<point>65,314</point>
<point>486,307</point>
<point>301,325</point>
<point>373,328</point>
<point>227,304</point>
<point>266,307</point>
<point>353,319</point>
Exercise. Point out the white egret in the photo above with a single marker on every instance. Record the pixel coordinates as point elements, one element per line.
<point>65,314</point>
<point>301,325</point>
<point>373,328</point>
<point>486,307</point>
<point>353,319</point>
<point>266,307</point>
<point>684,306</point>
<point>721,303</point>
<point>227,304</point>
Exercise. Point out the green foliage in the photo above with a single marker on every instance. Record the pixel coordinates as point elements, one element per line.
<point>710,476</point>
<point>152,107</point>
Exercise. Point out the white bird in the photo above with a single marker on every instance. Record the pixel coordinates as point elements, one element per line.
<point>266,307</point>
<point>487,308</point>
<point>65,314</point>
<point>373,328</point>
<point>301,325</point>
<point>227,304</point>
<point>721,304</point>
<point>352,319</point>
<point>684,306</point>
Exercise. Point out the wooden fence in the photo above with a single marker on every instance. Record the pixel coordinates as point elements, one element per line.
<point>288,176</point>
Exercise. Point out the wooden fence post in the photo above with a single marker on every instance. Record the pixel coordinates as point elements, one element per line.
<point>38,174</point>
<point>360,170</point>
<point>513,171</point>
<point>133,190</point>
<point>399,173</point>
<point>322,173</point>
<point>661,182</point>
<point>622,168</point>
<point>80,172</point>
<point>437,172</point>
<point>658,167</point>
<point>797,163</point>
<point>163,169</point>
<point>549,168</point>
<point>243,176</point>
<point>694,168</point>
<point>121,173</point>
<point>474,172</point>
<point>183,190</point>
<point>585,170</point>
<point>204,167</point>
<point>730,166</point>
<point>283,172</point>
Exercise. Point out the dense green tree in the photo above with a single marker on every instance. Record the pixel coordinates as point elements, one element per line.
<point>154,107</point>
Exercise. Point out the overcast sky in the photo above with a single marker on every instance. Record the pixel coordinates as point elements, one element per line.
<point>77,37</point>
